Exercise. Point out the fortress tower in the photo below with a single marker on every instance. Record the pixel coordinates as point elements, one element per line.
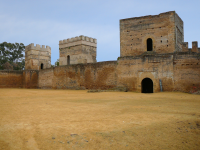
<point>77,50</point>
<point>37,57</point>
<point>161,33</point>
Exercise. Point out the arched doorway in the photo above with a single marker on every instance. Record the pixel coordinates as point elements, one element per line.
<point>147,85</point>
<point>68,60</point>
<point>149,44</point>
<point>42,65</point>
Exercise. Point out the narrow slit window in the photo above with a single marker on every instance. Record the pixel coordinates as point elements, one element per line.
<point>68,60</point>
<point>42,65</point>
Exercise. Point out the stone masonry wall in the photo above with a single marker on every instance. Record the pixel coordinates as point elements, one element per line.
<point>46,78</point>
<point>100,75</point>
<point>132,70</point>
<point>11,79</point>
<point>19,79</point>
<point>134,33</point>
<point>30,79</point>
<point>186,71</point>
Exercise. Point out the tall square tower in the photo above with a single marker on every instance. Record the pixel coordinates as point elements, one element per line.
<point>161,33</point>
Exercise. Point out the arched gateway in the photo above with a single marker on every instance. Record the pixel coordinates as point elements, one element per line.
<point>147,85</point>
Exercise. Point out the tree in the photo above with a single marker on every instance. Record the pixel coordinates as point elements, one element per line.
<point>13,53</point>
<point>57,62</point>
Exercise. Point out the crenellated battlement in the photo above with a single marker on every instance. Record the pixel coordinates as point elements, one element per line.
<point>37,47</point>
<point>194,47</point>
<point>84,40</point>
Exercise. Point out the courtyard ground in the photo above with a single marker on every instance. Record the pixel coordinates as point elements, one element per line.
<point>68,119</point>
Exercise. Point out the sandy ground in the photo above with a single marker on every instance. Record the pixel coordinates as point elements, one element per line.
<point>66,119</point>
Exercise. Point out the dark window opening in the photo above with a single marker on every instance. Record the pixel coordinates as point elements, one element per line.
<point>42,65</point>
<point>149,44</point>
<point>161,41</point>
<point>147,85</point>
<point>68,60</point>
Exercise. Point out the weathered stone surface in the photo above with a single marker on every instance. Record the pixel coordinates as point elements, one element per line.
<point>19,79</point>
<point>100,75</point>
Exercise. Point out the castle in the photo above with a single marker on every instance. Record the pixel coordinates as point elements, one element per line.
<point>153,58</point>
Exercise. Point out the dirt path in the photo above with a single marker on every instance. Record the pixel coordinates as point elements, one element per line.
<point>66,119</point>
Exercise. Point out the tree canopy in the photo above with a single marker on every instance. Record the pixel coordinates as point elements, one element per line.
<point>13,54</point>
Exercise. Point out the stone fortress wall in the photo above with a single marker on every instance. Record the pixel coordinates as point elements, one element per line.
<point>153,55</point>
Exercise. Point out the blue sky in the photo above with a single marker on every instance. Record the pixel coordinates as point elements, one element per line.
<point>45,22</point>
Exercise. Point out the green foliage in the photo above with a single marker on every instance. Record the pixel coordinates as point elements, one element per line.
<point>57,62</point>
<point>12,53</point>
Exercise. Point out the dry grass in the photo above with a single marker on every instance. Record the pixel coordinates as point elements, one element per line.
<point>66,119</point>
